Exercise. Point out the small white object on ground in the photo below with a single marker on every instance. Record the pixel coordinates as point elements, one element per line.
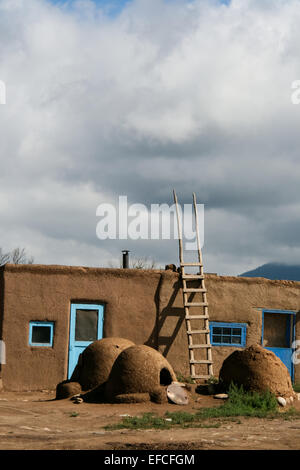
<point>281,401</point>
<point>181,384</point>
<point>78,400</point>
<point>177,394</point>
<point>221,396</point>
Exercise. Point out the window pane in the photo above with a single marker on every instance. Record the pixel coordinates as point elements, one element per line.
<point>236,340</point>
<point>226,331</point>
<point>216,339</point>
<point>217,330</point>
<point>226,339</point>
<point>237,331</point>
<point>277,330</point>
<point>41,334</point>
<point>86,325</point>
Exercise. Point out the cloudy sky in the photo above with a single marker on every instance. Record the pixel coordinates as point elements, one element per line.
<point>135,98</point>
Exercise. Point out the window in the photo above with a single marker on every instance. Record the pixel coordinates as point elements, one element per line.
<point>86,326</point>
<point>228,334</point>
<point>277,330</point>
<point>41,333</point>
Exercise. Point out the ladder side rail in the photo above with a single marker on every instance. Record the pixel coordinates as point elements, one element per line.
<point>197,233</point>
<point>178,228</point>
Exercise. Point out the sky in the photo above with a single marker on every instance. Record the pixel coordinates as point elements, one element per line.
<point>110,8</point>
<point>136,98</point>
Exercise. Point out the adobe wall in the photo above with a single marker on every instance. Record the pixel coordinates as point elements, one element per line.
<point>243,299</point>
<point>145,307</point>
<point>230,299</point>
<point>34,292</point>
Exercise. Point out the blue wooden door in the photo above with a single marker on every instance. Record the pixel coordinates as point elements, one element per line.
<point>86,326</point>
<point>278,335</point>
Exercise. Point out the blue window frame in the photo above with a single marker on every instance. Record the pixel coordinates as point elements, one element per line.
<point>228,334</point>
<point>41,333</point>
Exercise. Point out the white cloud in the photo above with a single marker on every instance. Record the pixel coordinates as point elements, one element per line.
<point>192,94</point>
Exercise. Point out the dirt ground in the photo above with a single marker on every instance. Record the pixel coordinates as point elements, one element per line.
<point>36,421</point>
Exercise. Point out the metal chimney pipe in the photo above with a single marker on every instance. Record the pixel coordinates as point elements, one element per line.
<point>125,259</point>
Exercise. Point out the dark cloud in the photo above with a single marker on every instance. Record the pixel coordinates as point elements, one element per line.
<point>188,95</point>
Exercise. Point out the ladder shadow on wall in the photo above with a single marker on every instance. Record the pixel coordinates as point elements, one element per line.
<point>158,339</point>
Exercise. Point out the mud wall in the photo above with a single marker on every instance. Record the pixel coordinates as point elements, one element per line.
<point>242,300</point>
<point>143,306</point>
<point>231,299</point>
<point>35,293</point>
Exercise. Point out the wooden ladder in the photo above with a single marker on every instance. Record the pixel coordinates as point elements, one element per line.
<point>197,326</point>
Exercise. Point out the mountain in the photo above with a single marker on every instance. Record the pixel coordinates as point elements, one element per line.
<point>275,271</point>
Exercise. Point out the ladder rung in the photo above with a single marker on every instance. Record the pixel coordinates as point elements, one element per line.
<point>198,346</point>
<point>200,376</point>
<point>190,290</point>
<point>196,304</point>
<point>196,317</point>
<point>195,332</point>
<point>193,361</point>
<point>191,264</point>
<point>192,276</point>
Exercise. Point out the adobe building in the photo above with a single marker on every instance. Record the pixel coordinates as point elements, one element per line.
<point>49,314</point>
